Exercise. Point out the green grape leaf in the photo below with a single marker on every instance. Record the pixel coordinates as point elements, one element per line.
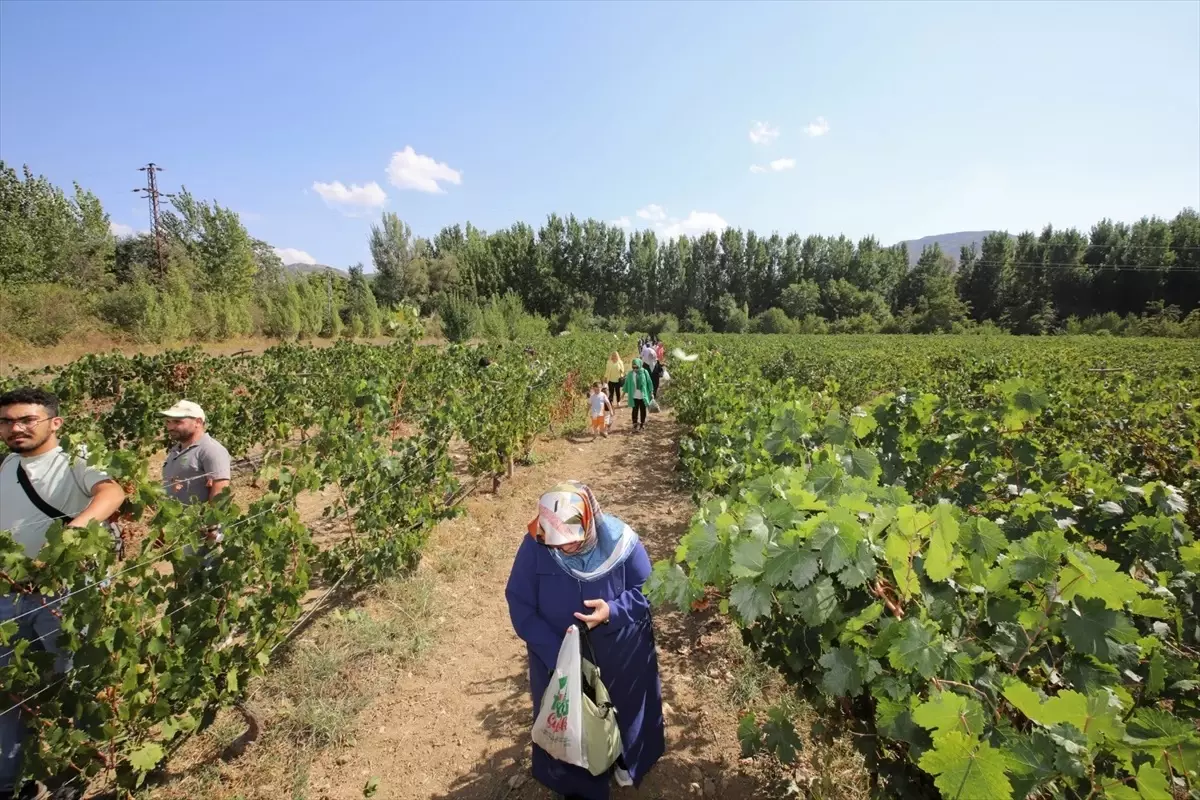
<point>917,649</point>
<point>825,479</point>
<point>1155,607</point>
<point>1152,784</point>
<point>941,559</point>
<point>861,463</point>
<point>779,736</point>
<point>842,674</point>
<point>965,768</point>
<point>749,557</point>
<point>985,538</point>
<point>750,600</point>
<point>898,551</point>
<point>1093,576</point>
<point>837,537</point>
<point>749,734</point>
<point>807,567</point>
<point>816,602</point>
<point>1089,627</point>
<point>947,711</point>
<point>782,559</point>
<point>1031,760</point>
<point>861,569</point>
<point>1098,714</point>
<point>146,757</point>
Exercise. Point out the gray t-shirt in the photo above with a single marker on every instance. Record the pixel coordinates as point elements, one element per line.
<point>59,480</point>
<point>188,470</point>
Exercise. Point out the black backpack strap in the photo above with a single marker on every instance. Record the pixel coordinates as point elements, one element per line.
<point>42,506</point>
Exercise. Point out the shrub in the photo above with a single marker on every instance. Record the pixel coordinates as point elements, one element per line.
<point>42,314</point>
<point>459,318</point>
<point>694,322</point>
<point>773,320</point>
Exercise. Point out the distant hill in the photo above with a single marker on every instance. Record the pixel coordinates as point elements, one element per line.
<point>305,269</point>
<point>950,243</point>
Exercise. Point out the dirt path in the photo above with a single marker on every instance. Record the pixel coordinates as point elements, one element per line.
<point>454,725</point>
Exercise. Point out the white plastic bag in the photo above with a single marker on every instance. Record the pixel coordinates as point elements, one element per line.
<point>665,377</point>
<point>559,726</point>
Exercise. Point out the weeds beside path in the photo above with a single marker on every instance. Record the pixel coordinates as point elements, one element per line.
<point>424,689</point>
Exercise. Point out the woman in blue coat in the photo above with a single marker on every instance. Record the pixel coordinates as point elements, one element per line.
<point>580,564</point>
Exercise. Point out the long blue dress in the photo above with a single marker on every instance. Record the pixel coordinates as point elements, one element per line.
<point>542,600</point>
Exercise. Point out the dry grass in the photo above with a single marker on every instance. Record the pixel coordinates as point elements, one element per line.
<point>311,700</point>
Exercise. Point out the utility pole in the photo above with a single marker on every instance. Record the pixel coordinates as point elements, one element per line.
<point>152,194</point>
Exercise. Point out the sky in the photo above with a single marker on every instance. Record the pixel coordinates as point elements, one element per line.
<point>897,120</point>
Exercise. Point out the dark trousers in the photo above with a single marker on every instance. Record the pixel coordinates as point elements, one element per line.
<point>639,407</point>
<point>655,377</point>
<point>614,392</point>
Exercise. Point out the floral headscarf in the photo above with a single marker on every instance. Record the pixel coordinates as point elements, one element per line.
<point>567,514</point>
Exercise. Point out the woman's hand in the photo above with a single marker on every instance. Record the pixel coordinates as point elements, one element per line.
<point>599,613</point>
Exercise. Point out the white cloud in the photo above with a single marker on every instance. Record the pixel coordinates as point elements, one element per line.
<point>780,164</point>
<point>696,223</point>
<point>818,127</point>
<point>653,212</point>
<point>409,169</point>
<point>353,197</point>
<point>762,133</point>
<point>290,255</point>
<point>120,229</point>
<point>621,222</point>
<point>757,169</point>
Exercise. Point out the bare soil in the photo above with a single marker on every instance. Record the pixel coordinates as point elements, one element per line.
<point>453,724</point>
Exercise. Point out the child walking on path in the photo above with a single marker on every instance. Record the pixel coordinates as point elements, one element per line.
<point>599,407</point>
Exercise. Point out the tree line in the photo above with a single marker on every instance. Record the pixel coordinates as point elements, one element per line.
<point>61,268</point>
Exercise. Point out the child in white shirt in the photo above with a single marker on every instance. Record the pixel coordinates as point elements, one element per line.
<point>599,406</point>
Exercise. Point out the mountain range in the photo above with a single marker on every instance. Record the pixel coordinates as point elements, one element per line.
<point>950,243</point>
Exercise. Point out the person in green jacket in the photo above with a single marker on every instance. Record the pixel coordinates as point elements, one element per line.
<point>638,391</point>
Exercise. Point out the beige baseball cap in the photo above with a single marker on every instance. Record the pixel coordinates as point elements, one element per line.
<point>184,409</point>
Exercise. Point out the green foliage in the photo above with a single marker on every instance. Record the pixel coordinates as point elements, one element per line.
<point>156,647</point>
<point>773,320</point>
<point>459,318</point>
<point>988,577</point>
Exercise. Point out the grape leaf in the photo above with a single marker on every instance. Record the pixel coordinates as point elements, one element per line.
<point>825,479</point>
<point>805,570</point>
<point>816,602</point>
<point>1030,758</point>
<point>750,600</point>
<point>947,711</point>
<point>966,768</point>
<point>779,736</point>
<point>941,560</point>
<point>842,673</point>
<point>917,649</point>
<point>1098,715</point>
<point>985,538</point>
<point>1088,628</point>
<point>898,551</point>
<point>749,557</point>
<point>861,569</point>
<point>861,463</point>
<point>146,757</point>
<point>1154,607</point>
<point>1152,784</point>
<point>749,734</point>
<point>1093,576</point>
<point>837,537</point>
<point>782,558</point>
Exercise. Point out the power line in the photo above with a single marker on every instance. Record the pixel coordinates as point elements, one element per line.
<point>152,194</point>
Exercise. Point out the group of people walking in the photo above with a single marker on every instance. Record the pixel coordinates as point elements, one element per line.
<point>41,484</point>
<point>640,385</point>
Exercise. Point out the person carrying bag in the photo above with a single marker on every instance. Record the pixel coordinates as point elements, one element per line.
<point>577,722</point>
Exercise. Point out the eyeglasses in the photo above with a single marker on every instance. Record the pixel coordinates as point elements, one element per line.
<point>25,423</point>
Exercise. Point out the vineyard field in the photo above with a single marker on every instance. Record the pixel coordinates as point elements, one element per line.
<point>975,556</point>
<point>388,439</point>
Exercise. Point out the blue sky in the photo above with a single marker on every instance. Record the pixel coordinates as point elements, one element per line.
<point>899,120</point>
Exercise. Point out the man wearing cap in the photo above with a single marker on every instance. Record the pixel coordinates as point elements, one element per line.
<point>197,466</point>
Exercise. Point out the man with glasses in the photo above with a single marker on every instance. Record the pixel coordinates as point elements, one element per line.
<point>39,485</point>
